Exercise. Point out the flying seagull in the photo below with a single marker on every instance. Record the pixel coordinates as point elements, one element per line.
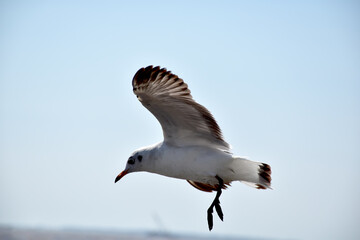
<point>193,147</point>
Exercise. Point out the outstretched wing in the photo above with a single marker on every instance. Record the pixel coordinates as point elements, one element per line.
<point>184,121</point>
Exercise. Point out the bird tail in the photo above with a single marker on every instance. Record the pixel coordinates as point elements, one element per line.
<point>254,174</point>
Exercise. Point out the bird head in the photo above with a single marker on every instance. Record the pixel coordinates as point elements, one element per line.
<point>134,164</point>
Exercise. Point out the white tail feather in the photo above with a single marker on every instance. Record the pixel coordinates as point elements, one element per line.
<point>254,174</point>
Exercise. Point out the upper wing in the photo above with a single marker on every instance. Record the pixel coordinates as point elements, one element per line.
<point>184,121</point>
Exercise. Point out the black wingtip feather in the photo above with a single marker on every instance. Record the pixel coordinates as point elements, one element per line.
<point>150,73</point>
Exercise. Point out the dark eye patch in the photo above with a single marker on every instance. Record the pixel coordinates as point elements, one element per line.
<point>131,160</point>
<point>139,158</point>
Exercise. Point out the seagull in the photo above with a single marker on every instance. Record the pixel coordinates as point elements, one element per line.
<point>193,148</point>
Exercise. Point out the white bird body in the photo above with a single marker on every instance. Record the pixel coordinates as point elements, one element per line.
<point>193,148</point>
<point>198,164</point>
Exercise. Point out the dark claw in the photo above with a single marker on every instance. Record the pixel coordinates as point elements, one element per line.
<point>219,211</point>
<point>210,218</point>
<point>215,203</point>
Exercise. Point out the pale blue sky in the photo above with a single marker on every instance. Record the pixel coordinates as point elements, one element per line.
<point>282,78</point>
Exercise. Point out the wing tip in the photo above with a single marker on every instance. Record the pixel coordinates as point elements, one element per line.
<point>148,75</point>
<point>145,74</point>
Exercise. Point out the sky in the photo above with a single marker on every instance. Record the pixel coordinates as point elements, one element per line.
<point>282,79</point>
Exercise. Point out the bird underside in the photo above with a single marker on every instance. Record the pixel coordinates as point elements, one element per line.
<point>207,187</point>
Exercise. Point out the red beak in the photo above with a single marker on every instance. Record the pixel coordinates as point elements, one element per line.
<point>123,173</point>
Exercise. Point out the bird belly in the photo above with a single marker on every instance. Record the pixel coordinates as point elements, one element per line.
<point>196,163</point>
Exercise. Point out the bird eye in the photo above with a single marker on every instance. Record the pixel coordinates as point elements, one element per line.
<point>131,160</point>
<point>139,158</point>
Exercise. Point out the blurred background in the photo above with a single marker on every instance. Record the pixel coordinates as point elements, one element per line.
<point>282,78</point>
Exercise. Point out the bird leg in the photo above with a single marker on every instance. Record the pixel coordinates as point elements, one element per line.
<point>216,204</point>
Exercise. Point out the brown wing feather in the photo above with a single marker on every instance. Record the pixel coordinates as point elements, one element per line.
<point>168,98</point>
